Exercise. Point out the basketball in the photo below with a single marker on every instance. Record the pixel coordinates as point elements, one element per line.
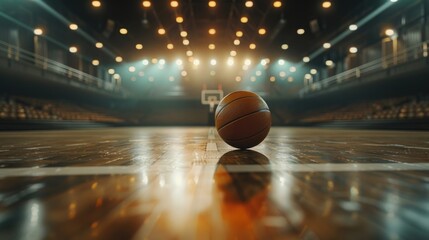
<point>242,119</point>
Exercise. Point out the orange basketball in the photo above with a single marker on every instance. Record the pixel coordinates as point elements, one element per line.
<point>243,119</point>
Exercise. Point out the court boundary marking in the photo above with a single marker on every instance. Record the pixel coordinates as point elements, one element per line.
<point>124,170</point>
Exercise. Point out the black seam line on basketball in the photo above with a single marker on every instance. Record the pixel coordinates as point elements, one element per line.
<point>261,110</point>
<point>240,139</point>
<point>220,110</point>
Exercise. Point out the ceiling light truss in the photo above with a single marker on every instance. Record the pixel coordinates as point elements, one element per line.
<point>236,10</point>
<point>166,35</point>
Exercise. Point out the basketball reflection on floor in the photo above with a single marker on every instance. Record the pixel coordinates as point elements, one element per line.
<point>243,194</point>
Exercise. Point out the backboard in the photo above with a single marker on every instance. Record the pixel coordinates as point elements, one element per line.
<point>211,98</point>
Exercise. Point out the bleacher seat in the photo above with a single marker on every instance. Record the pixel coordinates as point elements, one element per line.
<point>25,108</point>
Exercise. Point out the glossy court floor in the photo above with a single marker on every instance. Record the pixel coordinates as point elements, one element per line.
<point>185,183</point>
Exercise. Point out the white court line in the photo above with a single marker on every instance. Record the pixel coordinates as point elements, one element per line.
<point>77,144</point>
<point>211,135</point>
<point>394,145</point>
<point>211,146</point>
<point>331,167</point>
<point>37,148</point>
<point>117,170</point>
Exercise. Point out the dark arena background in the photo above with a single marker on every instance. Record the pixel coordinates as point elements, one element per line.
<point>107,119</point>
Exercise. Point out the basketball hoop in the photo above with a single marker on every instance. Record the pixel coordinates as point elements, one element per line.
<point>211,98</point>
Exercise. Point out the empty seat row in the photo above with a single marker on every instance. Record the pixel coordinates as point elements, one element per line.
<point>24,108</point>
<point>390,109</point>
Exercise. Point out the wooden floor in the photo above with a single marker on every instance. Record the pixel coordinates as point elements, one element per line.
<point>185,183</point>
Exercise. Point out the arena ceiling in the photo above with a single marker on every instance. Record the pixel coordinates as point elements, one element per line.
<point>290,29</point>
